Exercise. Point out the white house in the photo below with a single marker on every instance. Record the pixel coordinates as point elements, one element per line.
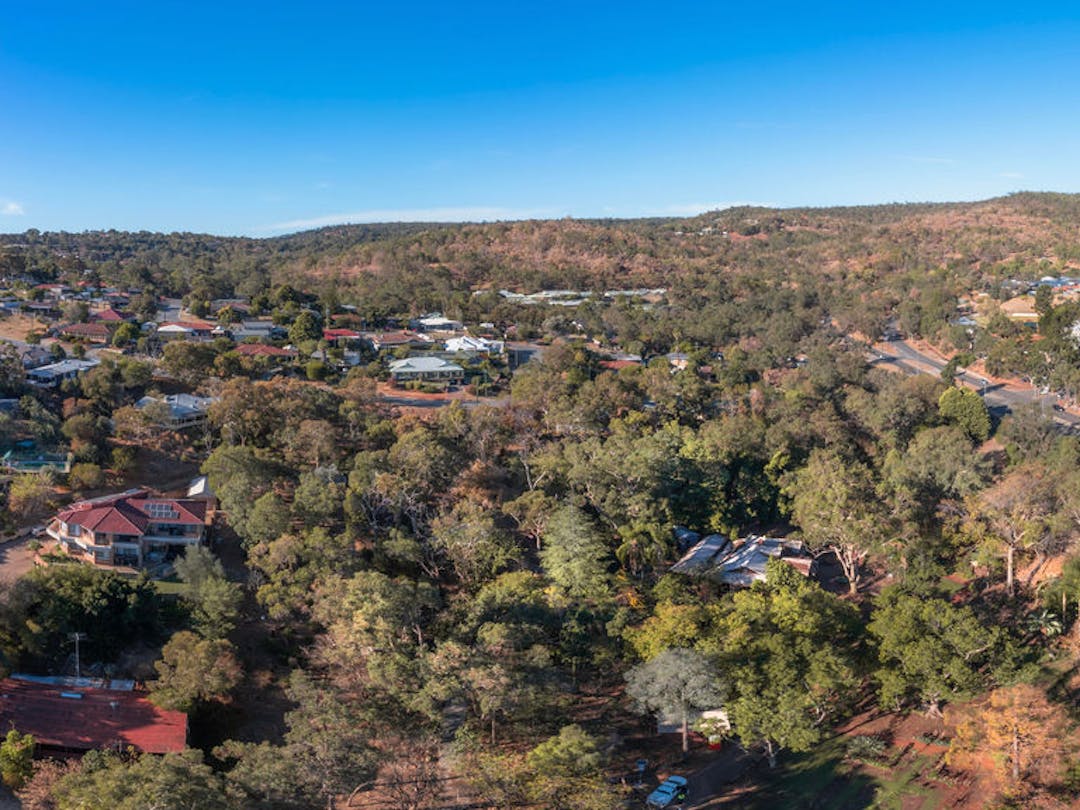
<point>468,343</point>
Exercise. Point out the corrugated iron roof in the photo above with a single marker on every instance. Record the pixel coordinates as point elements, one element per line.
<point>85,719</point>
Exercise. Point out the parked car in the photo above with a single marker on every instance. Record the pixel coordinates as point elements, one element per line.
<point>670,793</point>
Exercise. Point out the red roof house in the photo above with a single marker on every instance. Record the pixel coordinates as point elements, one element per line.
<point>78,718</point>
<point>262,350</point>
<point>96,332</point>
<point>333,335</point>
<point>109,315</point>
<point>131,528</point>
<point>618,365</point>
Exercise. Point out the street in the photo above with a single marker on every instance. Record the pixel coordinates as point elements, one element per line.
<point>1000,398</point>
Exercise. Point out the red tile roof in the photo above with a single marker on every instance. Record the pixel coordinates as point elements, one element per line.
<point>334,334</point>
<point>131,513</point>
<point>110,315</point>
<point>615,365</point>
<point>262,350</point>
<point>95,330</point>
<point>99,718</point>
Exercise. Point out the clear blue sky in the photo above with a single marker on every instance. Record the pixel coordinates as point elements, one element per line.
<point>260,118</point>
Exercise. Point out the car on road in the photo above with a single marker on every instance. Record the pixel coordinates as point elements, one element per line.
<point>671,793</point>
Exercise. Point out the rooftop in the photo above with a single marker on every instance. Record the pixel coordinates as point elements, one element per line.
<point>87,718</point>
<point>423,364</point>
<point>130,513</point>
<point>741,564</point>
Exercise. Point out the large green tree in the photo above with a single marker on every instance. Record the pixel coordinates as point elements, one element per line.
<point>833,501</point>
<point>194,671</point>
<point>214,601</point>
<point>175,781</point>
<point>792,652</point>
<point>931,651</point>
<point>574,557</point>
<point>677,684</point>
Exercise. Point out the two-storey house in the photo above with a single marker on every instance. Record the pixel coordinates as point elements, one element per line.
<point>132,528</point>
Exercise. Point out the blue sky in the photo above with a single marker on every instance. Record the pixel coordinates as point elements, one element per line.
<point>261,118</point>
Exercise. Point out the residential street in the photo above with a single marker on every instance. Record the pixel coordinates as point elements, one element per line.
<point>999,398</point>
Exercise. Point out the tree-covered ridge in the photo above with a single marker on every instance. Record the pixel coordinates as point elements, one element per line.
<point>972,239</point>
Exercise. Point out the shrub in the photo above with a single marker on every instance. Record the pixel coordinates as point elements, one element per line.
<point>86,476</point>
<point>866,748</point>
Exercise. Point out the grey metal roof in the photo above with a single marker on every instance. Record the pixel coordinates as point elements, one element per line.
<point>423,364</point>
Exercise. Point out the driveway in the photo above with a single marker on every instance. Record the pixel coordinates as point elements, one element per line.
<point>711,782</point>
<point>16,559</point>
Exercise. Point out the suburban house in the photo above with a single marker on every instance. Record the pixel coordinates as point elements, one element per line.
<point>53,374</point>
<point>238,305</point>
<point>132,528</point>
<point>177,411</point>
<point>384,341</point>
<point>477,345</point>
<point>518,353</point>
<point>110,316</point>
<point>262,350</point>
<point>92,332</point>
<point>426,369</point>
<point>75,715</point>
<point>33,355</point>
<point>619,363</point>
<point>742,563</point>
<point>185,330</point>
<point>435,322</point>
<point>259,330</point>
<point>46,310</point>
<point>341,337</point>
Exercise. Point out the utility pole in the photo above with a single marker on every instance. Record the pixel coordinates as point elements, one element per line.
<point>77,638</point>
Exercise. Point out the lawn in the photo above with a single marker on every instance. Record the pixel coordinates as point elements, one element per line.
<point>171,586</point>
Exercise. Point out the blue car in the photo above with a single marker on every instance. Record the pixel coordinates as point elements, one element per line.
<point>671,792</point>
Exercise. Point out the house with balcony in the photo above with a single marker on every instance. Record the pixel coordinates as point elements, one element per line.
<point>427,369</point>
<point>176,411</point>
<point>133,528</point>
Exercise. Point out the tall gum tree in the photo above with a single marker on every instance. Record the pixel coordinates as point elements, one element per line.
<point>833,501</point>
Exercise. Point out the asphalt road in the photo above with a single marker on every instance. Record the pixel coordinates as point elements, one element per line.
<point>999,398</point>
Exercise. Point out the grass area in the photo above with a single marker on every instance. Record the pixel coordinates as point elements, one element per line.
<point>170,586</point>
<point>823,780</point>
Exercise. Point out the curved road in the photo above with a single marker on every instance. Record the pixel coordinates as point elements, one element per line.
<point>1000,398</point>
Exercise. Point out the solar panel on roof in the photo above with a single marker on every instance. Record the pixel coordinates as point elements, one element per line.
<point>161,510</point>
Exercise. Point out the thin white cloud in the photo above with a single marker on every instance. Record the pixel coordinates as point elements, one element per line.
<point>10,208</point>
<point>1012,175</point>
<point>447,214</point>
